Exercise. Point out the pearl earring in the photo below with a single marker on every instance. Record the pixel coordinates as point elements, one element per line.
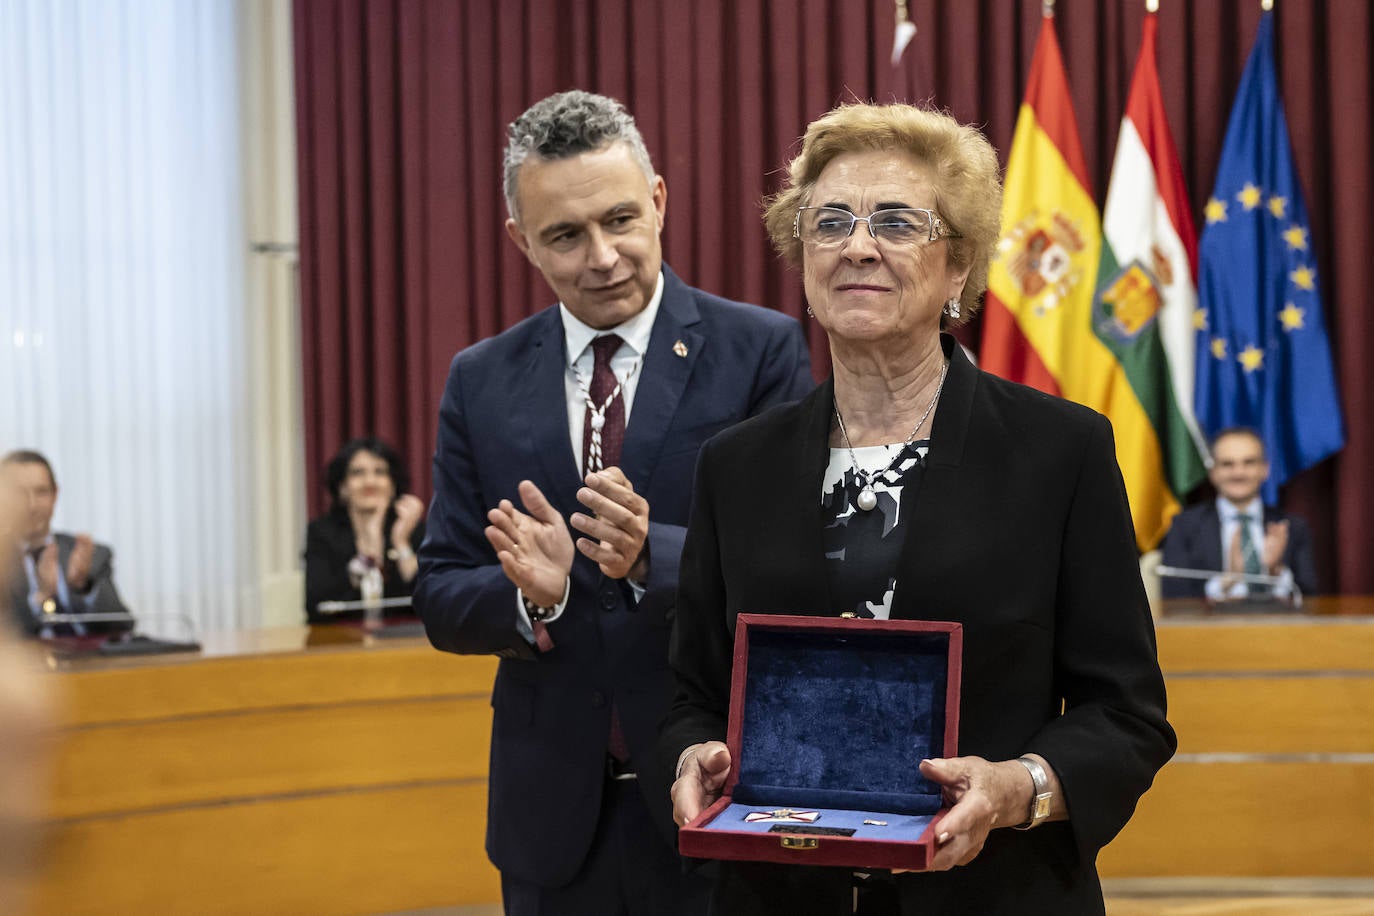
<point>952,308</point>
<point>809,312</point>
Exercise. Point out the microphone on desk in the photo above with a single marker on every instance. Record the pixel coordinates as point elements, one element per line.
<point>372,610</point>
<point>1179,572</point>
<point>131,642</point>
<point>335,607</point>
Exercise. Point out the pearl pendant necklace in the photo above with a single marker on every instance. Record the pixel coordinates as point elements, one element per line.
<point>867,500</point>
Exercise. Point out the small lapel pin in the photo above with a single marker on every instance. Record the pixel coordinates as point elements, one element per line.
<point>680,349</point>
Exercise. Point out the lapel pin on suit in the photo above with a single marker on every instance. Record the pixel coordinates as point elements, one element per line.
<point>680,349</point>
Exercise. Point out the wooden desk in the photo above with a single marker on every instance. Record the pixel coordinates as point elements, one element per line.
<point>282,771</point>
<point>291,771</point>
<point>1274,775</point>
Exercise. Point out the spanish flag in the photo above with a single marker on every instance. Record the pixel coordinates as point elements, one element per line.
<point>1044,322</point>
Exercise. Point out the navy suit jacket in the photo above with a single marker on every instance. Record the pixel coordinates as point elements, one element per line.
<point>504,419</point>
<point>1194,542</point>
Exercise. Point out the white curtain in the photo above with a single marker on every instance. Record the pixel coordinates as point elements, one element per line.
<point>273,308</point>
<point>122,276</point>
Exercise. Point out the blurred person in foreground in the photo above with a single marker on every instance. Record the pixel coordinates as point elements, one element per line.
<point>54,572</point>
<point>1238,533</point>
<point>911,485</point>
<point>589,414</point>
<point>365,544</point>
<point>26,699</point>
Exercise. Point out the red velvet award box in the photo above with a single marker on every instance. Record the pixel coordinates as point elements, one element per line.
<point>829,719</point>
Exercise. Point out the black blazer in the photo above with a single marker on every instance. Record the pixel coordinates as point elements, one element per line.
<point>1194,542</point>
<point>710,363</point>
<point>1021,532</point>
<point>329,545</point>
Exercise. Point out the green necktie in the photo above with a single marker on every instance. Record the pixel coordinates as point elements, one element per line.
<point>1249,553</point>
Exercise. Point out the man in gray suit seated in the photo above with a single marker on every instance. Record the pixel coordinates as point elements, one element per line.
<point>55,573</point>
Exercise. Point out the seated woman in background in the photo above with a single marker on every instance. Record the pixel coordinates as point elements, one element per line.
<point>368,537</point>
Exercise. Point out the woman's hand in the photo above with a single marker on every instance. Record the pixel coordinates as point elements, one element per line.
<point>701,776</point>
<point>409,511</point>
<point>984,795</point>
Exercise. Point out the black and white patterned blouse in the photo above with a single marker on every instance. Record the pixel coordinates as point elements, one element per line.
<point>863,548</point>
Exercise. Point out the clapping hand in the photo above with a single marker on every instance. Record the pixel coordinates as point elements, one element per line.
<point>47,572</point>
<point>409,510</point>
<point>1275,543</point>
<point>617,527</point>
<point>79,563</point>
<point>534,546</point>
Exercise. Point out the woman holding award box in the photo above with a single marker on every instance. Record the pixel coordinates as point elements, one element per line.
<point>911,485</point>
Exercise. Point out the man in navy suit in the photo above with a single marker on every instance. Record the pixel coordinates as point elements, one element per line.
<point>588,414</point>
<point>1237,533</point>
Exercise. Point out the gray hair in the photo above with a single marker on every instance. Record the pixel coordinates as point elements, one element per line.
<point>564,125</point>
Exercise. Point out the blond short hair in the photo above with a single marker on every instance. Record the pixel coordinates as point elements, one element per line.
<point>968,184</point>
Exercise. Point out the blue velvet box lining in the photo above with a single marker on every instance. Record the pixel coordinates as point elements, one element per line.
<point>839,721</point>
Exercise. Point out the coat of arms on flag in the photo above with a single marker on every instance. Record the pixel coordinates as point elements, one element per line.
<point>1040,254</point>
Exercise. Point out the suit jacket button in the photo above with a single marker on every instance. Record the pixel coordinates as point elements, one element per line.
<point>608,600</point>
<point>598,699</point>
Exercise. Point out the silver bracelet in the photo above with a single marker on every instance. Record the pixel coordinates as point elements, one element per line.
<point>537,614</point>
<point>1042,799</point>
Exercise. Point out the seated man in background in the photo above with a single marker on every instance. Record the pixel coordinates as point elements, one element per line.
<point>55,573</point>
<point>1237,533</point>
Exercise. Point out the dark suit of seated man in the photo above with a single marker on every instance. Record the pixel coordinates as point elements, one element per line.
<point>54,572</point>
<point>1237,533</point>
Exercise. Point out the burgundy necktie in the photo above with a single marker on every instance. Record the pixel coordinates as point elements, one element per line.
<point>612,436</point>
<point>612,415</point>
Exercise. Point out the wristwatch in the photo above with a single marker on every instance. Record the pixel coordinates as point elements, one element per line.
<point>1043,799</point>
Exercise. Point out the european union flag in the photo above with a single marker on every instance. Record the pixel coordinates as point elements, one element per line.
<point>1263,360</point>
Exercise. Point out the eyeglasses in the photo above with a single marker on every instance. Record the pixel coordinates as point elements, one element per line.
<point>825,227</point>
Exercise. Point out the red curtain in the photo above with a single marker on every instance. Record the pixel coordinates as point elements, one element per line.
<point>402,108</point>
